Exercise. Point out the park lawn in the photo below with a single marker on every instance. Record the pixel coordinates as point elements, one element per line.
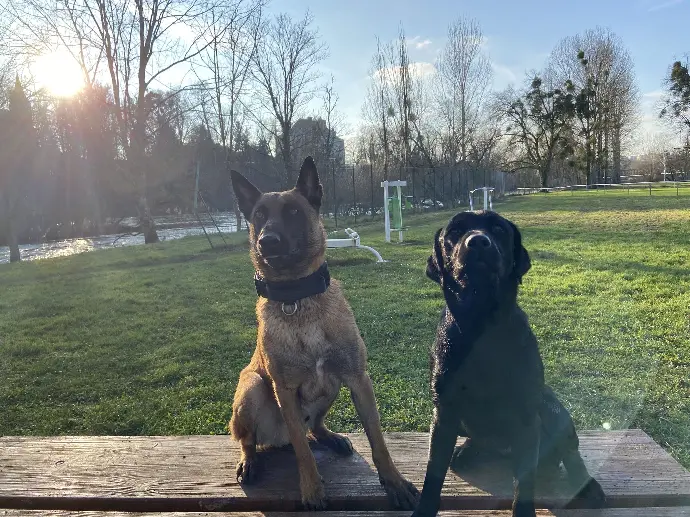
<point>150,340</point>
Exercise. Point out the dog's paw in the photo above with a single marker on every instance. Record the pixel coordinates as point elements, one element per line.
<point>524,509</point>
<point>314,497</point>
<point>592,494</point>
<point>247,471</point>
<point>337,443</point>
<point>401,493</point>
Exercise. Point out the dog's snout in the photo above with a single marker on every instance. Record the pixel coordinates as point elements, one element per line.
<point>269,241</point>
<point>478,240</point>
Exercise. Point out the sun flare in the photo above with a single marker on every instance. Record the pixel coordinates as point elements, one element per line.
<point>58,73</point>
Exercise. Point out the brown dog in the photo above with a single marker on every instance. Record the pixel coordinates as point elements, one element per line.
<point>308,343</point>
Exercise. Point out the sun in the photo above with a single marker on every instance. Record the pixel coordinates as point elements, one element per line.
<point>58,73</point>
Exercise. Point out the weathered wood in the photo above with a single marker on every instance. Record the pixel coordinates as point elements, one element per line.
<point>193,473</point>
<point>609,512</point>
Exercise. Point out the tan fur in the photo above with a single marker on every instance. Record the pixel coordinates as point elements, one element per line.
<point>299,364</point>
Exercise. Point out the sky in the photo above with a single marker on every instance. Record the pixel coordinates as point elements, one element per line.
<point>520,35</point>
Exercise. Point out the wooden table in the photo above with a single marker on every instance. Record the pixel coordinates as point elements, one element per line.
<point>107,476</point>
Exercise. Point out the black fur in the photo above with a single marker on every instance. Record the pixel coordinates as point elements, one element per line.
<point>487,376</point>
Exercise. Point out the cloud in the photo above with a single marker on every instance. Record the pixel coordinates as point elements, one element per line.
<point>419,43</point>
<point>655,94</point>
<point>650,125</point>
<point>503,73</point>
<point>664,5</point>
<point>418,70</point>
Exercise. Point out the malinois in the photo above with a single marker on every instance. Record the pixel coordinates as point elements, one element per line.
<point>308,344</point>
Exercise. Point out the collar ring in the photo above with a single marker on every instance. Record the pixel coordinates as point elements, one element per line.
<point>289,309</point>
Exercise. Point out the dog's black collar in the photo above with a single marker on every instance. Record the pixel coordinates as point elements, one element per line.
<point>291,291</point>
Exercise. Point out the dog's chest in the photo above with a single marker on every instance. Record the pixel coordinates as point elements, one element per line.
<point>500,372</point>
<point>303,349</point>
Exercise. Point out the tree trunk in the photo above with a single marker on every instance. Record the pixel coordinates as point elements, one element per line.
<point>287,158</point>
<point>544,176</point>
<point>616,174</point>
<point>12,241</point>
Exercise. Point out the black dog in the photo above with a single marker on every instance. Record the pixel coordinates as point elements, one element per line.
<point>487,376</point>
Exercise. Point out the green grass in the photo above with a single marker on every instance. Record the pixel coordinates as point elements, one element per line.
<point>150,340</point>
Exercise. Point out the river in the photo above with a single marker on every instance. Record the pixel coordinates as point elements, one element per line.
<point>63,248</point>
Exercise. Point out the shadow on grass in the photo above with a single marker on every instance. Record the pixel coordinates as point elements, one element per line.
<point>349,261</point>
<point>128,264</point>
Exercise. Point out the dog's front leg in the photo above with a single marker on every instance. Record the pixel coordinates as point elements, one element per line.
<point>444,433</point>
<point>525,458</point>
<point>310,483</point>
<point>401,492</point>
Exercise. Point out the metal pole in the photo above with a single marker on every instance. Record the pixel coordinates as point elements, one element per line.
<point>196,185</point>
<point>354,194</point>
<point>387,220</point>
<point>335,201</point>
<point>371,179</point>
<point>400,232</point>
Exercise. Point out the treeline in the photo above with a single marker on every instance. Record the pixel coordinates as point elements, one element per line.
<point>180,89</point>
<point>573,122</point>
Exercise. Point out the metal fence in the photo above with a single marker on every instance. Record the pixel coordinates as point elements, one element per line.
<point>681,188</point>
<point>354,191</point>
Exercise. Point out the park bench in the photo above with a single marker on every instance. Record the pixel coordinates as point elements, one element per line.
<point>193,475</point>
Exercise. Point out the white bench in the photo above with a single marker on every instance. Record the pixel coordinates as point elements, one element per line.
<point>352,241</point>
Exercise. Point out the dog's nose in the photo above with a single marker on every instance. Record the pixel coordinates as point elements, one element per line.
<point>478,240</point>
<point>269,241</point>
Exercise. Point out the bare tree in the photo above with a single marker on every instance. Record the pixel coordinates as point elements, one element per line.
<point>285,71</point>
<point>332,118</point>
<point>142,42</point>
<point>233,33</point>
<point>598,63</point>
<point>137,43</point>
<point>378,109</point>
<point>224,67</point>
<point>464,77</point>
<point>335,122</point>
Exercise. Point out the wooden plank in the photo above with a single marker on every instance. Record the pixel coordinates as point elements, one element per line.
<point>609,512</point>
<point>193,473</point>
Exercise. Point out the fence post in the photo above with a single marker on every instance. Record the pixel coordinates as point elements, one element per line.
<point>433,170</point>
<point>354,194</point>
<point>452,198</point>
<point>335,202</point>
<point>371,178</point>
<point>650,189</point>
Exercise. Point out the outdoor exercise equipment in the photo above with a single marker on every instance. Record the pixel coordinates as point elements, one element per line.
<point>352,241</point>
<point>488,204</point>
<point>392,206</point>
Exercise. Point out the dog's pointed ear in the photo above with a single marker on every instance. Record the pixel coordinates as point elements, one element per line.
<point>521,260</point>
<point>246,193</point>
<point>434,265</point>
<point>308,183</point>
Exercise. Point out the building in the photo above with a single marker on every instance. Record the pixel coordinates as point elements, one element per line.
<point>308,138</point>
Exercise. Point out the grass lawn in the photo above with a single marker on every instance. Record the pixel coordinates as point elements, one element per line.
<point>150,340</point>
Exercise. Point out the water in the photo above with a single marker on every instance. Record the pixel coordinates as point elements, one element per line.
<point>226,222</point>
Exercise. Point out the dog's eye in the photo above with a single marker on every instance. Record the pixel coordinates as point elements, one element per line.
<point>498,229</point>
<point>293,211</point>
<point>259,214</point>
